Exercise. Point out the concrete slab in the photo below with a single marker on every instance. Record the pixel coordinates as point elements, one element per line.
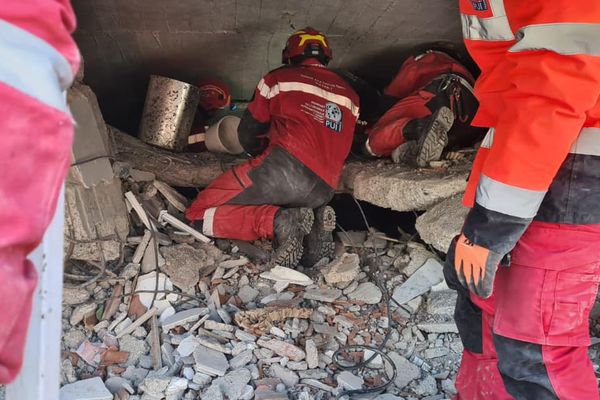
<point>442,222</point>
<point>402,187</point>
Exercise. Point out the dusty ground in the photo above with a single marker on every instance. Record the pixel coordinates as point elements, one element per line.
<point>251,331</point>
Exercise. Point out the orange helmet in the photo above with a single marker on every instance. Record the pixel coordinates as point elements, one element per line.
<point>306,43</point>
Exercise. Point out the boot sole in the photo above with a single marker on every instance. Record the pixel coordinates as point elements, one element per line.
<point>319,242</point>
<point>290,252</point>
<point>432,143</point>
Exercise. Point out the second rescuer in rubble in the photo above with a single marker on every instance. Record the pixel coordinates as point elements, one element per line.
<point>299,128</point>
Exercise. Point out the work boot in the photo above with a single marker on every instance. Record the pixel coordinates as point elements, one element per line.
<point>434,138</point>
<point>290,227</point>
<point>319,242</point>
<point>405,153</point>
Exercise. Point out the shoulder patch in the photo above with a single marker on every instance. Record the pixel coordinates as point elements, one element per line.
<point>480,5</point>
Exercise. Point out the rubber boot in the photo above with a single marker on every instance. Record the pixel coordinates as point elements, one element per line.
<point>319,242</point>
<point>290,227</point>
<point>434,138</point>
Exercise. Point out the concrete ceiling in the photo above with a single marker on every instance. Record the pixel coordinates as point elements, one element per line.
<point>124,41</point>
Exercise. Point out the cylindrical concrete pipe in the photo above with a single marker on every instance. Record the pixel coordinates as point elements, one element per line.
<point>168,113</point>
<point>222,137</point>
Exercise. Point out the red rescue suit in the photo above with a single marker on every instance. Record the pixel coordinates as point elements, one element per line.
<point>300,123</point>
<point>39,61</point>
<point>534,192</point>
<point>416,88</point>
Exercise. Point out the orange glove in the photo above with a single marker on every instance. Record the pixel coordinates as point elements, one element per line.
<point>475,266</point>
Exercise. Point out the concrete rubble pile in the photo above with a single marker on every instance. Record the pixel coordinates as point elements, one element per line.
<point>221,326</point>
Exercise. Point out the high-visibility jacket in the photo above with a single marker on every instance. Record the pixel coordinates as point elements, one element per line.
<point>539,91</point>
<point>308,110</point>
<point>37,64</point>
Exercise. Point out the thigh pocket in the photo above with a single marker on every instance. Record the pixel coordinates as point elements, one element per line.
<point>568,313</point>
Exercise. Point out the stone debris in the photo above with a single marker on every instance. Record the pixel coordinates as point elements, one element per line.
<point>184,265</point>
<point>442,222</point>
<point>367,292</point>
<point>135,347</point>
<point>428,275</point>
<point>247,294</point>
<point>323,295</point>
<point>442,303</point>
<point>81,311</point>
<point>312,355</point>
<point>74,296</point>
<point>418,255</point>
<point>432,327</point>
<point>210,361</point>
<point>406,371</point>
<point>88,389</point>
<point>283,274</point>
<point>343,269</point>
<point>183,317</point>
<point>147,283</point>
<point>289,378</point>
<point>187,346</point>
<point>261,320</point>
<point>116,384</point>
<point>348,381</point>
<point>211,324</point>
<point>283,349</point>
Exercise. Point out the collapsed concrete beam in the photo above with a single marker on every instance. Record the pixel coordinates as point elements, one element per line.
<point>402,187</point>
<point>175,169</point>
<point>442,222</point>
<point>395,186</point>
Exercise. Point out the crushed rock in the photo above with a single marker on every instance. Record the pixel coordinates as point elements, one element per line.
<point>253,331</point>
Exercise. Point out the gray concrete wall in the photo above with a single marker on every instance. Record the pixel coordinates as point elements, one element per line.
<point>123,41</point>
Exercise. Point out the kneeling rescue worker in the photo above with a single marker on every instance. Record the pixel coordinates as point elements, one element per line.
<point>535,195</point>
<point>299,128</point>
<point>433,106</point>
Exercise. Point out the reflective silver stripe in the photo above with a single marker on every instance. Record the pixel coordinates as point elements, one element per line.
<point>488,139</point>
<point>562,38</point>
<point>314,90</point>
<point>208,221</point>
<point>33,67</point>
<point>489,29</point>
<point>587,143</point>
<point>263,89</point>
<point>497,7</point>
<point>506,199</point>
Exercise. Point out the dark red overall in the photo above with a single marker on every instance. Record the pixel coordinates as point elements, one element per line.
<point>307,114</point>
<point>416,88</point>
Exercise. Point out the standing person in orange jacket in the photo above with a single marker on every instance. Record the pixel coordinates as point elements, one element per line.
<point>37,64</point>
<point>535,198</point>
